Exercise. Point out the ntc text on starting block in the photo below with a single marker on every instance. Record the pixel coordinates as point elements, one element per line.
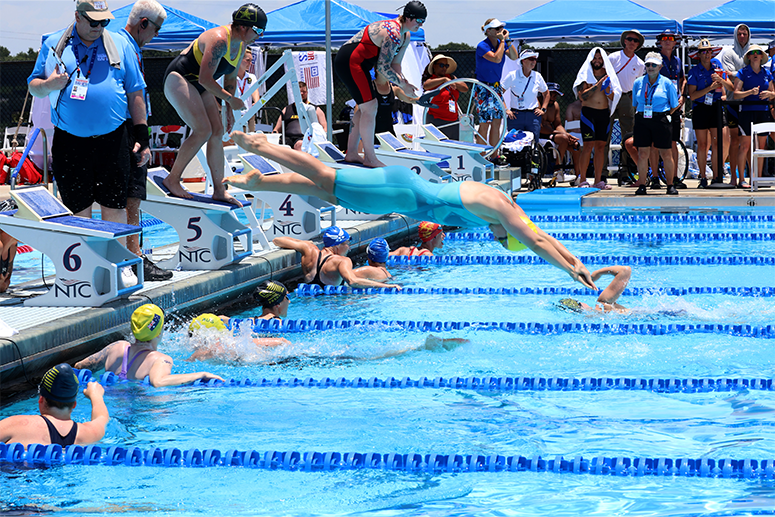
<point>208,230</point>
<point>86,253</point>
<point>293,215</point>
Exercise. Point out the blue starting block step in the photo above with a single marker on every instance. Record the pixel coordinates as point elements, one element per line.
<point>394,152</point>
<point>207,228</point>
<point>86,254</point>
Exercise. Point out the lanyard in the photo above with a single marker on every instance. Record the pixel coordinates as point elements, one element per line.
<point>140,62</point>
<point>78,59</point>
<point>625,65</point>
<point>671,68</point>
<point>242,83</point>
<point>648,90</point>
<point>526,85</point>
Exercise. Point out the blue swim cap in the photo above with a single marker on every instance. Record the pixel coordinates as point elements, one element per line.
<point>335,235</point>
<point>378,250</point>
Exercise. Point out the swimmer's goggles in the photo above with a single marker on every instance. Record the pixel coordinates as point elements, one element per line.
<point>511,243</point>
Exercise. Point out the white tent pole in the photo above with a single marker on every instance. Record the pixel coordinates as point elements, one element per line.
<point>329,72</point>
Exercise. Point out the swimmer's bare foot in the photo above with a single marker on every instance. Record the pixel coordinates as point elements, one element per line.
<point>353,158</point>
<point>228,198</point>
<point>176,189</point>
<point>251,142</point>
<point>250,181</point>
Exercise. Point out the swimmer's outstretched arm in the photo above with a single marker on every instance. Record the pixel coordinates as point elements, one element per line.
<point>161,374</point>
<point>96,361</point>
<point>614,290</point>
<point>491,205</point>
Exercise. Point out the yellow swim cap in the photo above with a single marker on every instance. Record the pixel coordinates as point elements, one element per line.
<point>206,321</point>
<point>511,243</point>
<point>147,322</point>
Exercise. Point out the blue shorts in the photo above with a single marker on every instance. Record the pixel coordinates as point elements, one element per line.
<point>526,120</point>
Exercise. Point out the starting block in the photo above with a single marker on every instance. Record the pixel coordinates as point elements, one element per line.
<point>333,157</point>
<point>293,215</point>
<point>85,252</point>
<point>394,152</point>
<point>206,228</point>
<point>466,163</point>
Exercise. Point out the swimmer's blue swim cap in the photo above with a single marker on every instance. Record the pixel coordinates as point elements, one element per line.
<point>335,235</point>
<point>378,250</point>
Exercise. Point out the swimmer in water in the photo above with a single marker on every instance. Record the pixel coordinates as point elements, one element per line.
<point>398,189</point>
<point>606,302</point>
<point>431,237</point>
<point>135,361</point>
<point>377,253</point>
<point>273,297</point>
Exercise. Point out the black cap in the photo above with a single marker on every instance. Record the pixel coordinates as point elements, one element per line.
<point>59,384</point>
<point>415,9</point>
<point>250,15</point>
<point>270,293</point>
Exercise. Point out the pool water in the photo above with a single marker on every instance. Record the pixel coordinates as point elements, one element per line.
<point>737,424</point>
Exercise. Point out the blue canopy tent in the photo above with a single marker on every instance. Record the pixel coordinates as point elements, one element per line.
<point>721,21</point>
<point>304,23</point>
<point>179,29</point>
<point>587,20</point>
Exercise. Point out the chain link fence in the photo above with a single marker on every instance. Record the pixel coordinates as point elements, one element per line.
<point>556,65</point>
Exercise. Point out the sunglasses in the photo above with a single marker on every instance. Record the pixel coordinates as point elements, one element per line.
<point>442,65</point>
<point>420,20</point>
<point>708,51</point>
<point>95,23</point>
<point>634,40</point>
<point>258,31</point>
<point>158,27</point>
<point>530,59</point>
<point>756,53</point>
<point>667,38</point>
<point>651,65</point>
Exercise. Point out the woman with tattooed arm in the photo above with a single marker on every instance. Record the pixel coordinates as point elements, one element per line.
<point>190,85</point>
<point>382,45</point>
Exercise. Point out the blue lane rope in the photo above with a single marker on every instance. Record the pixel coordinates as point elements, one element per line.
<point>38,455</point>
<point>640,219</point>
<point>627,237</point>
<point>631,260</point>
<point>336,290</point>
<point>526,328</point>
<point>669,385</point>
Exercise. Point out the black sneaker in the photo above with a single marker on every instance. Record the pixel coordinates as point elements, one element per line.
<point>153,273</point>
<point>671,190</point>
<point>679,184</point>
<point>703,183</point>
<point>641,191</point>
<point>715,181</point>
<point>655,184</point>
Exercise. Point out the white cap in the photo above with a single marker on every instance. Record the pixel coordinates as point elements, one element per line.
<point>494,24</point>
<point>654,58</point>
<point>527,53</point>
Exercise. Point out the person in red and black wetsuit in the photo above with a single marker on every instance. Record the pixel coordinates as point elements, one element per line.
<point>58,391</point>
<point>380,45</point>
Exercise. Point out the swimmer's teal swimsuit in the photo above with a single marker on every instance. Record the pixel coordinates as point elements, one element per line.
<point>399,189</point>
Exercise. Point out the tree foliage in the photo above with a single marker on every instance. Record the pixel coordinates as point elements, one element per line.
<point>453,46</point>
<point>30,55</point>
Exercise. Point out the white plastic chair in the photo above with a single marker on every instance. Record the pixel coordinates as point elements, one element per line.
<point>758,130</point>
<point>10,131</point>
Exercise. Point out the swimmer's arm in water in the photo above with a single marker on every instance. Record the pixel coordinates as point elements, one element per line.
<point>270,341</point>
<point>161,374</point>
<point>93,431</point>
<point>97,360</point>
<point>611,293</point>
<point>346,270</point>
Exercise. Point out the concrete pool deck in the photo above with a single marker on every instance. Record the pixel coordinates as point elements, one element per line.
<point>48,335</point>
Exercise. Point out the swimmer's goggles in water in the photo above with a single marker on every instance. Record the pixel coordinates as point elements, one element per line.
<point>511,243</point>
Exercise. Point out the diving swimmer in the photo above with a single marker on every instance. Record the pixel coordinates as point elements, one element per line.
<point>398,189</point>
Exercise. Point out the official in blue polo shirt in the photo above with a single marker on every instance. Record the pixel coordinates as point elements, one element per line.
<point>90,78</point>
<point>655,100</point>
<point>144,23</point>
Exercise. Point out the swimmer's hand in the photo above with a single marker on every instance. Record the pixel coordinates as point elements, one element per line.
<point>581,274</point>
<point>206,376</point>
<point>94,389</point>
